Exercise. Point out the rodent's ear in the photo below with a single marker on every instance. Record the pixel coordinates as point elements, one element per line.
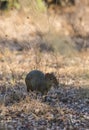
<point>49,75</point>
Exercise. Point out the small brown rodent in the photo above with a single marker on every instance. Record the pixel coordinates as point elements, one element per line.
<point>38,81</point>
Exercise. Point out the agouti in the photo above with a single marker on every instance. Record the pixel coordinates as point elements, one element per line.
<point>38,81</point>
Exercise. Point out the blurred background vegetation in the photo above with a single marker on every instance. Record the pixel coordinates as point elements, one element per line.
<point>9,4</point>
<point>69,26</point>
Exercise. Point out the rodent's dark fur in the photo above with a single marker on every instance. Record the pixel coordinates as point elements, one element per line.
<point>38,81</point>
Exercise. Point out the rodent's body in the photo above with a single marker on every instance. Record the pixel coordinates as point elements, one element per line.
<point>35,80</point>
<point>38,81</point>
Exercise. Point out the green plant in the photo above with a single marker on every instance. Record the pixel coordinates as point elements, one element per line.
<point>13,4</point>
<point>8,4</point>
<point>41,5</point>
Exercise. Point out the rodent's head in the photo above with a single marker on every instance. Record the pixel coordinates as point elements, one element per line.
<point>51,79</point>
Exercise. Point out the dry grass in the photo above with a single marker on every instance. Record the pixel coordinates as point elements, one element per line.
<point>14,66</point>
